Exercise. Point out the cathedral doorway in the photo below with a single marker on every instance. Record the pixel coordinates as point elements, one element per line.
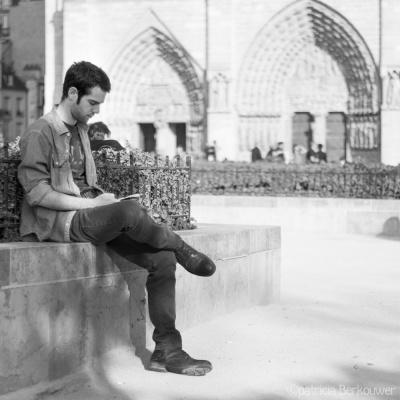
<point>180,131</point>
<point>309,58</point>
<point>157,95</point>
<point>302,130</point>
<point>147,137</point>
<point>335,136</point>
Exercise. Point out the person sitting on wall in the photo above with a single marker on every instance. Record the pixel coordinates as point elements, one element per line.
<point>63,203</point>
<point>299,154</point>
<point>277,154</point>
<point>311,156</point>
<point>320,155</point>
<point>256,154</point>
<point>98,132</point>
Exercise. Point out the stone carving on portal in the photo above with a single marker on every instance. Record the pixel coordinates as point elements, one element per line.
<point>317,84</point>
<point>391,89</point>
<point>161,89</point>
<point>284,48</point>
<point>364,132</point>
<point>219,93</point>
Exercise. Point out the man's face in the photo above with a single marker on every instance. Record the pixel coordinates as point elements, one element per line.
<point>98,135</point>
<point>88,106</point>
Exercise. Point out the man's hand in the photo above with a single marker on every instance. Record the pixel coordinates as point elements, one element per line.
<point>104,199</point>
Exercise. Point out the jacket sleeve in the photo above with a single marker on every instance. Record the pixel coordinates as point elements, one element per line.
<point>34,169</point>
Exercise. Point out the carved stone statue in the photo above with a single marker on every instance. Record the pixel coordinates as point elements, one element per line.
<point>392,93</point>
<point>219,92</point>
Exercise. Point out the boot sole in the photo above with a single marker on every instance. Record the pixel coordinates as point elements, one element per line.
<point>198,371</point>
<point>157,368</point>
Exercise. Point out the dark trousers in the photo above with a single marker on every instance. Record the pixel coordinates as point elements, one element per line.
<point>127,229</point>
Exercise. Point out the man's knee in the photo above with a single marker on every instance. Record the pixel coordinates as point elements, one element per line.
<point>130,210</point>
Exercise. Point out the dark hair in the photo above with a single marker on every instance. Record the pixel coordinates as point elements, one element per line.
<point>84,76</point>
<point>98,127</point>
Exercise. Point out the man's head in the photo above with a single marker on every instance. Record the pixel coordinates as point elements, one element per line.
<point>320,147</point>
<point>84,89</point>
<point>98,131</point>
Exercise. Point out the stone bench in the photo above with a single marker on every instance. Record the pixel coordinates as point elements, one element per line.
<point>63,305</point>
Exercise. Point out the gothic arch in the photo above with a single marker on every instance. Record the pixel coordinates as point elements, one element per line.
<point>269,62</point>
<point>130,72</point>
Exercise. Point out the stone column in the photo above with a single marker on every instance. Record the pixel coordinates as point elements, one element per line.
<point>319,133</point>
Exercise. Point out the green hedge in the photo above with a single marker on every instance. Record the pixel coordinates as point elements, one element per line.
<point>163,184</point>
<point>274,179</point>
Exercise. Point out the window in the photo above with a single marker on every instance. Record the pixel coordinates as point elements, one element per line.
<point>6,105</point>
<point>41,95</point>
<point>4,21</point>
<point>20,110</point>
<point>18,129</point>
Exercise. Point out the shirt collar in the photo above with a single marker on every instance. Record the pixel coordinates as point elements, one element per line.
<point>59,124</point>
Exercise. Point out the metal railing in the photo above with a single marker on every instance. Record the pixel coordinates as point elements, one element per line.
<point>10,196</point>
<point>287,182</point>
<point>164,188</point>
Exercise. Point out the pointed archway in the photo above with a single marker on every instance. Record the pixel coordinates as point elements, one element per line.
<point>139,95</point>
<point>271,63</point>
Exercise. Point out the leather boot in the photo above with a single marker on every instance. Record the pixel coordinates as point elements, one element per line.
<point>193,261</point>
<point>179,362</point>
<point>157,361</point>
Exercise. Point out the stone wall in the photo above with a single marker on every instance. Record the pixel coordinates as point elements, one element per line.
<point>354,216</point>
<point>62,304</point>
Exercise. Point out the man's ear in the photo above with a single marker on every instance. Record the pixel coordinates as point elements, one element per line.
<point>73,93</point>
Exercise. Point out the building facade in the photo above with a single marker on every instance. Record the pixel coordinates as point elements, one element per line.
<point>14,102</point>
<point>242,73</point>
<point>22,51</point>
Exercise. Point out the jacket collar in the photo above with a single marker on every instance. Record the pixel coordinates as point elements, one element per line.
<point>59,124</point>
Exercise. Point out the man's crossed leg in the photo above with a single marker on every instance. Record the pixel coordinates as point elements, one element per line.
<point>127,229</point>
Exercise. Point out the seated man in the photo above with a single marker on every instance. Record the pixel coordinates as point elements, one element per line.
<point>63,203</point>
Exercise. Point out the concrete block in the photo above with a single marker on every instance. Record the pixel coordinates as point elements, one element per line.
<point>263,268</point>
<point>235,283</point>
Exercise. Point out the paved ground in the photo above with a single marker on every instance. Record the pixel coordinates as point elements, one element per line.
<point>334,335</point>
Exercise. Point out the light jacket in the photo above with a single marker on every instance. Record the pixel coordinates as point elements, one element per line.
<point>44,168</point>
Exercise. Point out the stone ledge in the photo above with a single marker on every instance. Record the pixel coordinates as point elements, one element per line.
<point>62,305</point>
<point>362,216</point>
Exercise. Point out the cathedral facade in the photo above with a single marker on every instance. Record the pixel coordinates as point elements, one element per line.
<point>240,73</point>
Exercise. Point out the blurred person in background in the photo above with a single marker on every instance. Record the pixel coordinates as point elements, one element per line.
<point>99,136</point>
<point>299,154</point>
<point>321,155</point>
<point>256,154</point>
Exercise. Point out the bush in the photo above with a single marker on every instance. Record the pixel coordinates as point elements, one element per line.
<point>164,186</point>
<point>321,180</point>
